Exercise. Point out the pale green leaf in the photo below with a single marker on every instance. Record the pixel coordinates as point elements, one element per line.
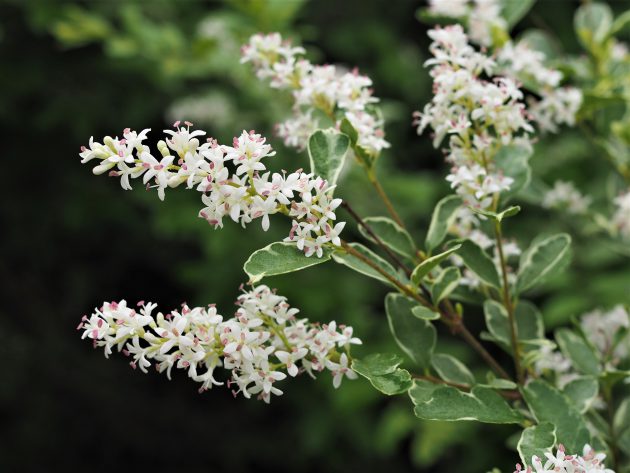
<point>582,391</point>
<point>428,264</point>
<point>535,441</point>
<point>381,369</point>
<point>447,403</point>
<point>391,234</point>
<point>327,151</point>
<point>543,259</point>
<point>550,405</point>
<point>593,23</point>
<point>451,369</point>
<point>414,335</point>
<point>529,324</point>
<point>513,161</point>
<point>479,262</point>
<point>445,283</point>
<point>574,347</point>
<point>513,10</point>
<point>280,258</point>
<point>425,313</point>
<point>443,215</point>
<point>352,262</point>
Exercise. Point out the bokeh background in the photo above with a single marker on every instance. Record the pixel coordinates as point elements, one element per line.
<point>69,240</point>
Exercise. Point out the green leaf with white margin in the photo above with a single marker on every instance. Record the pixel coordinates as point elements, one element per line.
<point>447,403</point>
<point>381,369</point>
<point>352,262</point>
<point>550,405</point>
<point>509,212</point>
<point>425,313</point>
<point>593,23</point>
<point>429,264</point>
<point>582,356</point>
<point>415,336</point>
<point>280,258</point>
<point>451,369</point>
<point>479,262</point>
<point>445,283</point>
<point>529,323</point>
<point>543,259</point>
<point>513,161</point>
<point>535,441</point>
<point>327,151</point>
<point>582,391</point>
<point>391,234</point>
<point>513,10</point>
<point>442,217</point>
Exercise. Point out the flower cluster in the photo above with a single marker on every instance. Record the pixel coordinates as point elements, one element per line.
<point>246,193</point>
<point>261,344</point>
<point>565,196</point>
<point>478,115</point>
<point>588,462</point>
<point>317,90</point>
<point>621,218</point>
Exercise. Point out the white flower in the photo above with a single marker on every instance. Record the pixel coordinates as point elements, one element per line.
<point>621,218</point>
<point>200,341</point>
<point>565,196</point>
<point>588,462</point>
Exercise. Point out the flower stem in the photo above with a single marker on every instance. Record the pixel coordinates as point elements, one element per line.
<point>509,306</point>
<point>381,192</point>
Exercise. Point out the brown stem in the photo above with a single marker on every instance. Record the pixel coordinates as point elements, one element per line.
<point>378,241</point>
<point>508,394</point>
<point>385,199</point>
<point>509,306</point>
<point>449,317</point>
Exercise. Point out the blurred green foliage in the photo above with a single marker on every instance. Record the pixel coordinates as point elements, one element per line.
<point>76,69</point>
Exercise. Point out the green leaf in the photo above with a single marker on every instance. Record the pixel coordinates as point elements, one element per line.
<point>582,391</point>
<point>447,403</point>
<point>445,283</point>
<point>352,262</point>
<point>514,10</point>
<point>443,215</point>
<point>425,313</point>
<point>349,130</point>
<point>391,234</point>
<point>535,441</point>
<point>593,23</point>
<point>509,212</point>
<point>415,336</point>
<point>550,405</point>
<point>327,152</point>
<point>543,259</point>
<point>500,383</point>
<point>428,264</point>
<point>280,258</point>
<point>377,364</point>
<point>578,351</point>
<point>381,369</point>
<point>529,324</point>
<point>479,262</point>
<point>621,426</point>
<point>451,369</point>
<point>620,23</point>
<point>513,161</point>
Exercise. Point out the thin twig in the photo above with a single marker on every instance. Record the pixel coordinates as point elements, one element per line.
<point>381,192</point>
<point>375,237</point>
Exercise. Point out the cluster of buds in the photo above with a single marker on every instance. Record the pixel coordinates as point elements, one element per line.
<point>260,345</point>
<point>588,462</point>
<point>480,116</point>
<point>243,194</point>
<point>317,90</point>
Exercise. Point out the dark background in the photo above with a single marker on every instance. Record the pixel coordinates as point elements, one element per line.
<point>70,240</point>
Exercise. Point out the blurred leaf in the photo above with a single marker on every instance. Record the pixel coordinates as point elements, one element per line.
<point>513,161</point>
<point>593,22</point>
<point>445,283</point>
<point>514,10</point>
<point>578,351</point>
<point>544,258</point>
<point>582,391</point>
